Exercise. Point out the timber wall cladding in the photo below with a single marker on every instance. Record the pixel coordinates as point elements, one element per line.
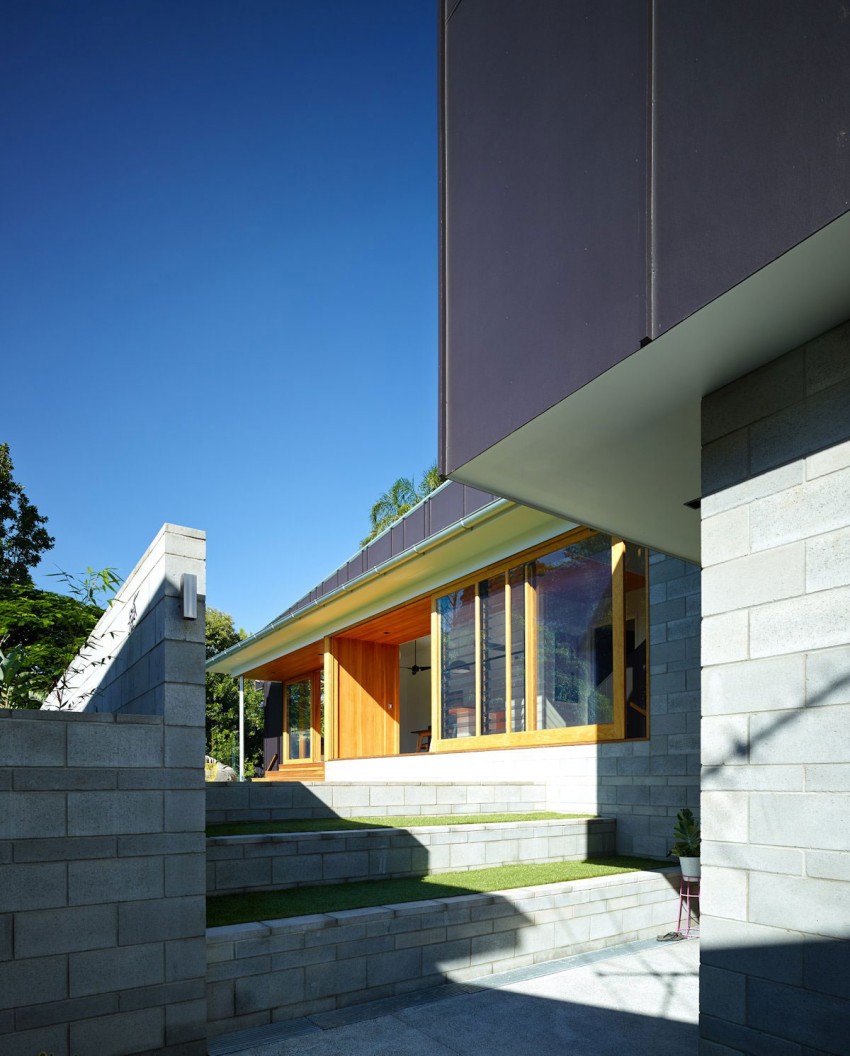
<point>367,694</point>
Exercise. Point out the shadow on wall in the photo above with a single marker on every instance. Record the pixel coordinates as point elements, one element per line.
<point>740,750</point>
<point>760,996</point>
<point>148,647</point>
<point>237,864</point>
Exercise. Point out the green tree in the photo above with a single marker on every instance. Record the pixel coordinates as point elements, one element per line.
<point>402,496</point>
<point>40,632</point>
<point>23,537</point>
<point>223,700</point>
<point>43,632</point>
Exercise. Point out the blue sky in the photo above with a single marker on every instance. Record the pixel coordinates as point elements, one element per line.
<point>218,288</point>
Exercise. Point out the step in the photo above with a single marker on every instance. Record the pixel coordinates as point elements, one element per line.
<point>294,772</point>
<point>280,800</point>
<point>279,970</point>
<point>236,864</point>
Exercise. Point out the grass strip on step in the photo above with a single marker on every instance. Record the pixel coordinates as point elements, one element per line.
<point>331,898</point>
<point>335,824</point>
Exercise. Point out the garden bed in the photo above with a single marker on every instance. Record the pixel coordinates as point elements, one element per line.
<point>277,969</point>
<point>332,898</point>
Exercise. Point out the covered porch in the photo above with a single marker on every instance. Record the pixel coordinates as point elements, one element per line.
<point>363,693</point>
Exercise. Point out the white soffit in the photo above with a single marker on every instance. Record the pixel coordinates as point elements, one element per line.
<point>623,453</point>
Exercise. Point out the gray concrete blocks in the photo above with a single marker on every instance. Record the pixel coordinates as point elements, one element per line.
<point>243,863</point>
<point>257,801</point>
<point>160,919</point>
<point>95,814</point>
<point>102,935</point>
<point>775,750</point>
<point>137,745</point>
<point>23,741</point>
<point>55,931</point>
<point>120,968</point>
<point>421,944</point>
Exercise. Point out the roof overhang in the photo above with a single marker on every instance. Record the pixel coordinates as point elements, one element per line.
<point>492,533</point>
<point>623,453</point>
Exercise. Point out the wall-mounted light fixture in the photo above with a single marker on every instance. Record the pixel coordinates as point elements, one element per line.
<point>189,591</point>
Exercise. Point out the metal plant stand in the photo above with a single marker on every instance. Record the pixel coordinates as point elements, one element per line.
<point>688,907</point>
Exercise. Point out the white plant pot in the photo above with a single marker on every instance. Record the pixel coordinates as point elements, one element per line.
<point>689,867</point>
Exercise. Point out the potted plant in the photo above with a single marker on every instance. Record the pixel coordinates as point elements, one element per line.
<point>686,848</point>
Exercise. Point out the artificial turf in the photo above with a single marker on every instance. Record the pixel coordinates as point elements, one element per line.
<point>331,898</point>
<point>260,828</point>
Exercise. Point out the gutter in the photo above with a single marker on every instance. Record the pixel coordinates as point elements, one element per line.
<point>490,512</point>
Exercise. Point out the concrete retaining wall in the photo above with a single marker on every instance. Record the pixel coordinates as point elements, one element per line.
<point>276,970</point>
<point>102,885</point>
<point>244,863</point>
<point>268,801</point>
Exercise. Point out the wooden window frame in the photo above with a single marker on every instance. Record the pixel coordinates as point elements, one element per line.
<point>314,678</point>
<point>593,733</point>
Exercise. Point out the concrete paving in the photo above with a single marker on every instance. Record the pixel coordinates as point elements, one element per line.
<point>641,998</point>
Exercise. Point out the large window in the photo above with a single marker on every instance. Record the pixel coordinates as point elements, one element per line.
<point>548,650</point>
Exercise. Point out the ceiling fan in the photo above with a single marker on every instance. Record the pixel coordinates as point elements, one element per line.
<point>416,668</point>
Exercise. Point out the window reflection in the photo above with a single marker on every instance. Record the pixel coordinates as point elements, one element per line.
<point>299,702</point>
<point>457,662</point>
<point>575,669</point>
<point>493,660</point>
<point>560,607</point>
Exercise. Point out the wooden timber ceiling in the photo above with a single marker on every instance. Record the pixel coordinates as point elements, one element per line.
<point>310,658</point>
<point>399,625</point>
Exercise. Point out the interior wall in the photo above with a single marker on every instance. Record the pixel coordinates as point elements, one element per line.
<point>414,694</point>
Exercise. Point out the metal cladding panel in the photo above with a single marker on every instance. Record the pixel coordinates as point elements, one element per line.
<point>473,500</point>
<point>379,551</point>
<point>446,507</point>
<point>414,526</point>
<point>752,141</point>
<point>329,584</point>
<point>397,537</point>
<point>353,569</point>
<point>544,207</point>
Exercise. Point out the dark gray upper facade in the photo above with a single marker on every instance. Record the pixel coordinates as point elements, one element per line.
<point>610,169</point>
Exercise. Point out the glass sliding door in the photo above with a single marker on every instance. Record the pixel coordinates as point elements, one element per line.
<point>549,648</point>
<point>298,719</point>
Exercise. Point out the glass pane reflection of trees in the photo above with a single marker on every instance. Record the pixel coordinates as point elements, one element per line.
<point>570,590</point>
<point>575,649</point>
<point>299,706</point>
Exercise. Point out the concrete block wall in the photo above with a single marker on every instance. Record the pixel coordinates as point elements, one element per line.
<point>102,854</point>
<point>282,969</point>
<point>776,705</point>
<point>142,652</point>
<point>281,800</point>
<point>245,863</point>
